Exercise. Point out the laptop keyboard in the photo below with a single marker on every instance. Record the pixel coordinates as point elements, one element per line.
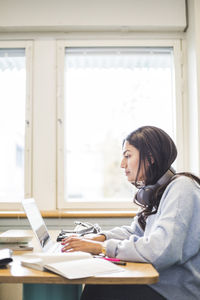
<point>56,248</point>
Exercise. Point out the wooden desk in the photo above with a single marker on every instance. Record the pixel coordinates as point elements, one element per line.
<point>37,283</point>
<point>136,273</point>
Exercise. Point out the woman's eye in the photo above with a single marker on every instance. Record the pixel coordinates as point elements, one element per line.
<point>127,156</point>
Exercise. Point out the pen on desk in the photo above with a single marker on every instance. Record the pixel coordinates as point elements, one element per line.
<point>122,263</point>
<point>111,259</point>
<point>116,261</point>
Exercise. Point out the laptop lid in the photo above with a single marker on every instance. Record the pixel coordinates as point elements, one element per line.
<point>37,223</point>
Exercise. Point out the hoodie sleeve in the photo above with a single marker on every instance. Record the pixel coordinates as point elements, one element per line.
<point>165,237</point>
<point>124,232</point>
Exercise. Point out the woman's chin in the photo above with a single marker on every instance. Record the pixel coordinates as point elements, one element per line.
<point>131,180</point>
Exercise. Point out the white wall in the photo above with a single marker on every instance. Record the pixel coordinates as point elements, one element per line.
<point>58,15</point>
<point>44,128</point>
<point>193,75</point>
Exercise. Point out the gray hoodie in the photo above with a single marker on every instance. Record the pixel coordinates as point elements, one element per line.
<point>171,241</point>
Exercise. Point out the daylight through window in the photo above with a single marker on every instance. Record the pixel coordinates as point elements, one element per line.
<point>12,120</point>
<point>109,92</point>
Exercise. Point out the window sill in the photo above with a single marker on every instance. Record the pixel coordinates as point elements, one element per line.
<point>73,214</point>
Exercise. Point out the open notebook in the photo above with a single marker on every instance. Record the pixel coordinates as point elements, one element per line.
<point>70,265</point>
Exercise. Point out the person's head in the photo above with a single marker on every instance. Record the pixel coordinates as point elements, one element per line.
<point>148,153</point>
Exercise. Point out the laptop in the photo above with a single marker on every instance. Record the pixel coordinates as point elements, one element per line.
<point>39,228</point>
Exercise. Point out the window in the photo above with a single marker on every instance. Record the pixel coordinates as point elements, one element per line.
<point>108,92</point>
<point>13,113</point>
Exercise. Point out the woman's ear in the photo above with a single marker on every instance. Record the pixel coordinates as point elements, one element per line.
<point>152,159</point>
<point>149,160</point>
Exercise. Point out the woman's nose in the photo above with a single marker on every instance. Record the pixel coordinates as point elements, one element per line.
<point>123,163</point>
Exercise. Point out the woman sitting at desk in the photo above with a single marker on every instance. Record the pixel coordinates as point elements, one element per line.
<point>165,233</point>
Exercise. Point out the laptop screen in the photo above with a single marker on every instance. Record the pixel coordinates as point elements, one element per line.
<point>36,221</point>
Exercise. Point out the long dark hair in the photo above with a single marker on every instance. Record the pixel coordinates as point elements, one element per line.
<point>157,152</point>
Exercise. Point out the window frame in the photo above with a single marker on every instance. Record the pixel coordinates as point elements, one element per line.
<point>28,46</point>
<point>176,44</point>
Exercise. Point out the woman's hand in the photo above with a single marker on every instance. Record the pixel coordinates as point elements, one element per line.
<point>95,237</point>
<point>89,236</point>
<point>73,243</point>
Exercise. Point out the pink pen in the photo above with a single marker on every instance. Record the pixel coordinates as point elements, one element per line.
<point>111,259</point>
<point>115,261</point>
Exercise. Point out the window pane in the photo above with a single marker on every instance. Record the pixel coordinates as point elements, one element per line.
<point>12,119</point>
<point>109,92</point>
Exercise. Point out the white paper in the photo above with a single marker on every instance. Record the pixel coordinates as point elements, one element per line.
<point>37,260</point>
<point>83,268</point>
